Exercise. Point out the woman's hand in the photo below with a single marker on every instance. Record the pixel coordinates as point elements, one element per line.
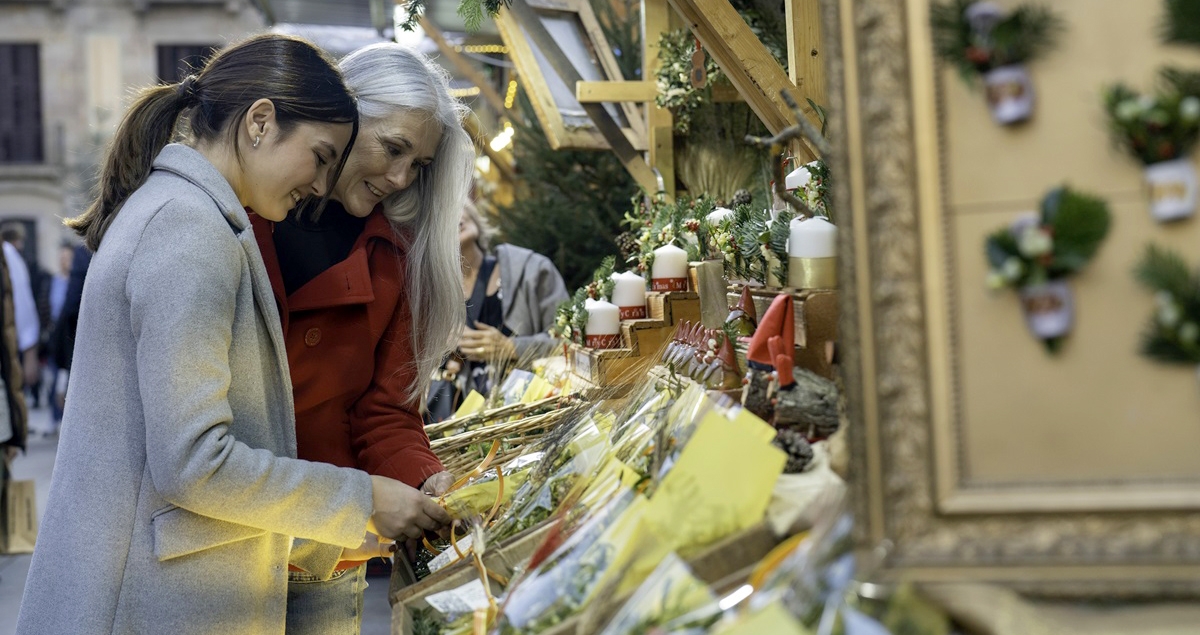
<point>372,547</point>
<point>437,484</point>
<point>485,344</point>
<point>401,512</point>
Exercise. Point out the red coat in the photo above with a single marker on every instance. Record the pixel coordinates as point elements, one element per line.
<point>349,343</point>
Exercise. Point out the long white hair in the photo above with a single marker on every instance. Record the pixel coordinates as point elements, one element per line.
<point>387,77</point>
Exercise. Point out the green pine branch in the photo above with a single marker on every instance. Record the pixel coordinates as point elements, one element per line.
<point>1080,223</point>
<point>1181,22</point>
<point>1178,80</point>
<point>1164,270</point>
<point>780,231</point>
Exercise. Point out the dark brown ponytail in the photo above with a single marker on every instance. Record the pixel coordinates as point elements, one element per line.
<point>301,81</point>
<point>146,128</point>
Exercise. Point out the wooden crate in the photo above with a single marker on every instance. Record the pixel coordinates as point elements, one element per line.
<point>816,317</point>
<point>642,341</point>
<point>673,307</point>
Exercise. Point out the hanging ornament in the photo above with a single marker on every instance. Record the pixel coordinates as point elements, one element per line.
<point>1038,251</point>
<point>1160,129</point>
<point>699,75</point>
<point>980,38</point>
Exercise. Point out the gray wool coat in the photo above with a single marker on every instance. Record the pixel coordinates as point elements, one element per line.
<point>173,504</point>
<point>531,289</point>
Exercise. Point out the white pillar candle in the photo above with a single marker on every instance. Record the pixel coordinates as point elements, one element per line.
<point>603,326</point>
<point>812,238</point>
<point>629,294</point>
<point>669,271</point>
<point>797,178</point>
<point>719,214</point>
<point>812,254</point>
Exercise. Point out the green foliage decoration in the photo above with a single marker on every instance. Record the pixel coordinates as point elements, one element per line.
<point>675,89</point>
<point>1158,126</point>
<point>1181,22</point>
<point>471,11</point>
<point>974,40</point>
<point>1172,334</point>
<point>1057,243</point>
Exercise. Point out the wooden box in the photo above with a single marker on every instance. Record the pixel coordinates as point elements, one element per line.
<point>642,342</point>
<point>816,316</point>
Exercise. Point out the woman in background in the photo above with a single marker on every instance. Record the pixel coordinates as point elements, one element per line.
<point>511,294</point>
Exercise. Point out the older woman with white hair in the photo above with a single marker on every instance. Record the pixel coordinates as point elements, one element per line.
<point>368,295</point>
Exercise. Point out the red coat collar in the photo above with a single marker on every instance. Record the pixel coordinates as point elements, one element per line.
<point>348,282</point>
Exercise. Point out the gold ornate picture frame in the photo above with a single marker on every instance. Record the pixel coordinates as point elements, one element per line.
<point>912,356</point>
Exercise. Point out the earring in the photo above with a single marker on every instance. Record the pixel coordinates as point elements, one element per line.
<point>256,140</point>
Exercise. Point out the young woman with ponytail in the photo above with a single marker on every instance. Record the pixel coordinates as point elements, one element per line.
<point>176,506</point>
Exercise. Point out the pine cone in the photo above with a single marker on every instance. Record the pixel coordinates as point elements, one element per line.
<point>741,197</point>
<point>627,243</point>
<point>798,450</point>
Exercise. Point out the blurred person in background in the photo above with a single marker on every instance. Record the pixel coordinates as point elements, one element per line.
<point>24,306</point>
<point>57,287</point>
<point>13,414</point>
<point>367,292</point>
<point>62,340</point>
<point>511,294</point>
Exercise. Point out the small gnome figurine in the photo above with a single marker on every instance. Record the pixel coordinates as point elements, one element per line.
<point>673,353</point>
<point>757,387</point>
<point>725,374</point>
<point>743,316</point>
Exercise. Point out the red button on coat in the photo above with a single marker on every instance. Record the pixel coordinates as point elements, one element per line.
<point>312,337</point>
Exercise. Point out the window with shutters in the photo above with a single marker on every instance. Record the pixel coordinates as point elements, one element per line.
<point>177,61</point>
<point>20,104</point>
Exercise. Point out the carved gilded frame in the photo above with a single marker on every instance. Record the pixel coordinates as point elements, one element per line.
<point>898,359</point>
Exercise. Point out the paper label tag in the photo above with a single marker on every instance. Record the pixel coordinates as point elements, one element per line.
<point>449,555</point>
<point>464,599</point>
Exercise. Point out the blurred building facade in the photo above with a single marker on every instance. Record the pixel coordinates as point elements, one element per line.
<point>66,67</point>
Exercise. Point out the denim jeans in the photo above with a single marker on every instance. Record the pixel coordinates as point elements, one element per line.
<point>332,607</point>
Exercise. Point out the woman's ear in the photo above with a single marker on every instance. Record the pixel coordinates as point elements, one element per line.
<point>259,120</point>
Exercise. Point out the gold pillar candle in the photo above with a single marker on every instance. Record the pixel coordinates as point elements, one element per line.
<point>812,273</point>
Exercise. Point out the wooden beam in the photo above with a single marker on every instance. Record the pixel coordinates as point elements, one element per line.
<point>601,92</point>
<point>604,92</point>
<point>465,67</point>
<point>660,125</point>
<point>750,67</point>
<point>620,145</point>
<point>806,64</point>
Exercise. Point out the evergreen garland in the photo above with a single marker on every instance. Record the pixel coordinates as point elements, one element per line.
<point>1172,335</point>
<point>779,232</point>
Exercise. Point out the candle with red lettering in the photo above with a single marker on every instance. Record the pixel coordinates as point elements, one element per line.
<point>603,326</point>
<point>629,294</point>
<point>669,271</point>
